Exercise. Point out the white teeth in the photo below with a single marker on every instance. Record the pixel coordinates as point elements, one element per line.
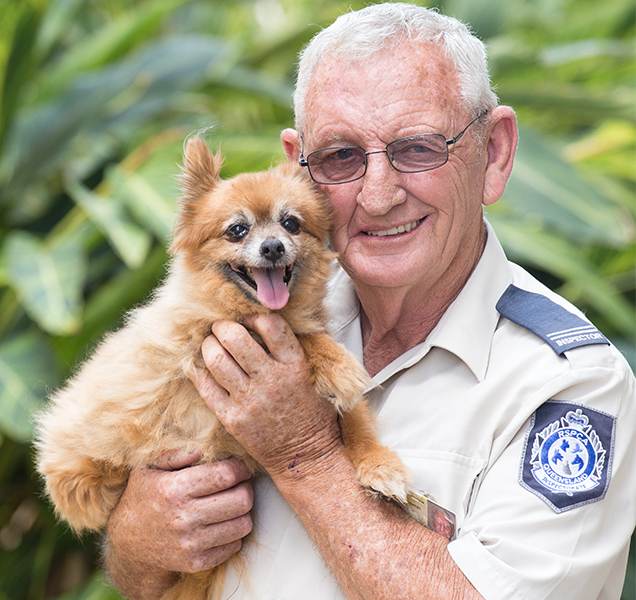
<point>396,230</point>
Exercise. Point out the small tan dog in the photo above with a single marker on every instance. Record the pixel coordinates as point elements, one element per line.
<point>247,245</point>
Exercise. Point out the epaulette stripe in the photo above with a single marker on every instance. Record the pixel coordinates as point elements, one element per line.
<point>567,332</point>
<point>556,325</point>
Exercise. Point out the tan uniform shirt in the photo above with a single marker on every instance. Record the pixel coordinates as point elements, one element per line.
<point>460,411</point>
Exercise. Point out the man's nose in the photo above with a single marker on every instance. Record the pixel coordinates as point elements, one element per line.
<point>381,185</point>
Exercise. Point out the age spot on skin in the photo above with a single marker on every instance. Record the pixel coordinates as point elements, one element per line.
<point>353,551</point>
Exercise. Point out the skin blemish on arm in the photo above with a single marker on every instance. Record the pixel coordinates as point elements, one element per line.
<point>294,463</point>
<point>353,551</point>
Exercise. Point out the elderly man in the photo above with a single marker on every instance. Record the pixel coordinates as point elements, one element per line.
<point>508,407</point>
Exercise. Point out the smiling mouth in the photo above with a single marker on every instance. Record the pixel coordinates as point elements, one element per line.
<point>270,283</point>
<point>395,230</point>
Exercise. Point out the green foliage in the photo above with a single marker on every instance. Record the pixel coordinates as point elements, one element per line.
<point>96,99</point>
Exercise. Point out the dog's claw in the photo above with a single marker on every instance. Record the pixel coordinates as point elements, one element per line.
<point>390,479</point>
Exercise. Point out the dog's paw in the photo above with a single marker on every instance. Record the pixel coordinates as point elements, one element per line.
<point>337,374</point>
<point>383,473</point>
<point>347,382</point>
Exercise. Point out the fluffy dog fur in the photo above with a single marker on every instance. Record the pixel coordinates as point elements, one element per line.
<point>134,400</point>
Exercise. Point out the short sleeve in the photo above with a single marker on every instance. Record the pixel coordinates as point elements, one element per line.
<point>516,543</point>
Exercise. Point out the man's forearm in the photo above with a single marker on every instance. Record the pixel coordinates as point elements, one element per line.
<point>374,549</point>
<point>134,580</point>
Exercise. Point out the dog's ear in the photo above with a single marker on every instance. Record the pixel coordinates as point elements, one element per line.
<point>201,171</point>
<point>199,177</point>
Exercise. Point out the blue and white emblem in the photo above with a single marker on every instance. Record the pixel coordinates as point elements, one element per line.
<point>567,455</point>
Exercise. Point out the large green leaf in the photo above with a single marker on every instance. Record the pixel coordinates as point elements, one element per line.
<point>553,192</point>
<point>539,248</point>
<point>259,82</point>
<point>113,101</point>
<point>247,151</point>
<point>95,589</point>
<point>129,240</point>
<point>59,16</point>
<point>106,44</point>
<point>106,306</point>
<point>574,102</point>
<point>610,148</point>
<point>152,208</point>
<point>48,279</point>
<point>27,368</point>
<point>18,65</point>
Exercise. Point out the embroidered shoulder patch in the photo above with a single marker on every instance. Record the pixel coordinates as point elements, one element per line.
<point>557,326</point>
<point>567,455</point>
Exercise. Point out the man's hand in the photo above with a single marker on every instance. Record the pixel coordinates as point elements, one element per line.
<point>177,518</point>
<point>266,400</point>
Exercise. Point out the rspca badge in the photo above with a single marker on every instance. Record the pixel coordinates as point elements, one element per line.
<point>567,456</point>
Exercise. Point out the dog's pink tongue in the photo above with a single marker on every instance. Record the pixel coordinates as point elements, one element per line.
<point>271,289</point>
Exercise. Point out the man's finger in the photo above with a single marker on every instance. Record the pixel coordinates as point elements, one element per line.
<point>243,348</point>
<point>226,532</point>
<point>177,459</point>
<point>278,336</point>
<point>223,367</point>
<point>206,385</point>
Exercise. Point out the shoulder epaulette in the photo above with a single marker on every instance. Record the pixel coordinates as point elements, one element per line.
<point>554,324</point>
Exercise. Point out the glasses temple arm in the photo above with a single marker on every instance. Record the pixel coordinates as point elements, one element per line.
<point>463,131</point>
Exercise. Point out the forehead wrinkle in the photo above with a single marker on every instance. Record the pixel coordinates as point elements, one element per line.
<point>429,90</point>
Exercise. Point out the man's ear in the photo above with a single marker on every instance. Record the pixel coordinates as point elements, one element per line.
<point>291,144</point>
<point>501,148</point>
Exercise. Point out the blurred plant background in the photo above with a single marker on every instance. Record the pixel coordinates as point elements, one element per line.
<point>96,99</point>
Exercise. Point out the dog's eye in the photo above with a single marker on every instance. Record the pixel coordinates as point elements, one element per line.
<point>291,224</point>
<point>237,232</point>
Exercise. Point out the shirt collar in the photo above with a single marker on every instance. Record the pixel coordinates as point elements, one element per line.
<point>343,311</point>
<point>466,328</point>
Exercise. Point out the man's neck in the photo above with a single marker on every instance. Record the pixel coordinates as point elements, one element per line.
<point>394,320</point>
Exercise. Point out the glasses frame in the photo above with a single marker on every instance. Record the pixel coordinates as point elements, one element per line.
<point>304,162</point>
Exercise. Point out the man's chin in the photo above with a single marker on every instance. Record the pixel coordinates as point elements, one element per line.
<point>389,272</point>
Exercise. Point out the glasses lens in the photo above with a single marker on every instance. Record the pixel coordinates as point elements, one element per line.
<point>336,165</point>
<point>418,153</point>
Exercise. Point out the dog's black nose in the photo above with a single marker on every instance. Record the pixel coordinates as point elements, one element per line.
<point>272,249</point>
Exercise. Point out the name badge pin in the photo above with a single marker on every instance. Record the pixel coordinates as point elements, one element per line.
<point>423,508</point>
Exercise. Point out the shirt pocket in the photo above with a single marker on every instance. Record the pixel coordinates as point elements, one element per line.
<point>450,478</point>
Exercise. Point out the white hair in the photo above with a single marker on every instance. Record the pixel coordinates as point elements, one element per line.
<point>359,35</point>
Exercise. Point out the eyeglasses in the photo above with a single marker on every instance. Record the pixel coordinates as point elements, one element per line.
<point>413,154</point>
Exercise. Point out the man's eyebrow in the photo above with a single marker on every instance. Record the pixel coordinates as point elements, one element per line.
<point>334,139</point>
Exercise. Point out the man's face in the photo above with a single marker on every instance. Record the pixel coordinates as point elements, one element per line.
<point>398,229</point>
